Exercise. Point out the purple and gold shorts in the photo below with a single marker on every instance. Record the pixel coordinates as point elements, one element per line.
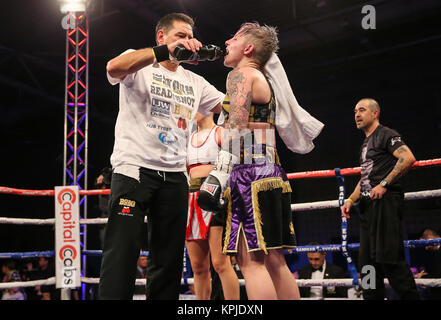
<point>259,207</point>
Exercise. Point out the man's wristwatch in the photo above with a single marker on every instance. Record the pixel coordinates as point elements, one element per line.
<point>384,183</point>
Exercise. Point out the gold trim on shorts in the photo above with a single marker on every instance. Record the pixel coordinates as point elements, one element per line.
<point>227,195</point>
<point>264,184</point>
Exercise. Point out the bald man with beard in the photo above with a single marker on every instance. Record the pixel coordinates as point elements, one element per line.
<point>384,159</point>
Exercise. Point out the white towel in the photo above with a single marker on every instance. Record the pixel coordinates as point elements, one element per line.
<point>296,126</point>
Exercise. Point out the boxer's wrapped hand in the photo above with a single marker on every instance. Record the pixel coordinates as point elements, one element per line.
<point>210,196</point>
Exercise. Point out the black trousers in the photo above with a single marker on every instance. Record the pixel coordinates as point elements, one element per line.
<point>163,197</point>
<point>381,246</point>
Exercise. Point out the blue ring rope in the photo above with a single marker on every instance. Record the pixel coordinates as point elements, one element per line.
<point>24,255</point>
<point>299,249</point>
<point>344,227</point>
<point>185,269</point>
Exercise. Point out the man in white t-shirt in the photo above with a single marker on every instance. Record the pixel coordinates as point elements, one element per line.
<point>158,99</point>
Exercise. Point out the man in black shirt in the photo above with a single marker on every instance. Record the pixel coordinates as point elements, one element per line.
<point>384,159</point>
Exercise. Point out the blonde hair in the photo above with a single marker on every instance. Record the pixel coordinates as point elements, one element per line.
<point>264,38</point>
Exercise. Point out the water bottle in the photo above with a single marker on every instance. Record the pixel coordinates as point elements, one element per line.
<point>209,52</point>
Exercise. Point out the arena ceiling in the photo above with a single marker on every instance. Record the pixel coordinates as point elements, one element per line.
<point>32,47</point>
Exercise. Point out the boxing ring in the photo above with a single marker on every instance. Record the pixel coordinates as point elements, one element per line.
<point>344,247</point>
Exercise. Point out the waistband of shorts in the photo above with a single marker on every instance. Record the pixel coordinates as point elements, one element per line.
<point>195,184</point>
<point>259,154</point>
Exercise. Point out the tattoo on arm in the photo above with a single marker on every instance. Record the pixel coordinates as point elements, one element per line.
<point>401,167</point>
<point>234,78</point>
<point>240,99</point>
<point>239,90</point>
<point>401,149</point>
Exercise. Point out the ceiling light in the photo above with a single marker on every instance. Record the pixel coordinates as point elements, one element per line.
<point>72,5</point>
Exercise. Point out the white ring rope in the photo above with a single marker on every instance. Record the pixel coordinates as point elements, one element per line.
<point>94,221</point>
<point>190,281</point>
<point>294,207</point>
<point>23,221</point>
<point>33,283</point>
<point>328,204</point>
<point>347,282</point>
<point>307,206</point>
<point>50,221</point>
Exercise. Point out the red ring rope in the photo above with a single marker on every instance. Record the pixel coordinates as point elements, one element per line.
<point>295,175</point>
<point>353,171</point>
